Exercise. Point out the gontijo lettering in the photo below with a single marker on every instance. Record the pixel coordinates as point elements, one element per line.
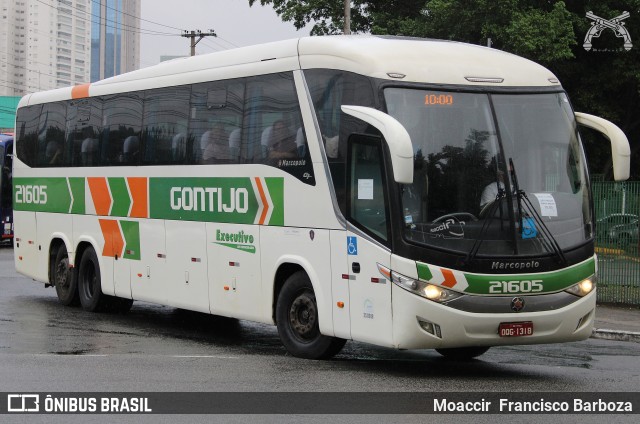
<point>209,199</point>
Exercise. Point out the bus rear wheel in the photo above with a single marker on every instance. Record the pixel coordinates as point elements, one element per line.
<point>90,288</point>
<point>462,353</point>
<point>297,321</point>
<point>64,278</point>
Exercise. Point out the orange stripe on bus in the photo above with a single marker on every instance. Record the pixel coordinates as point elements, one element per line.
<point>80,91</point>
<point>449,278</point>
<point>113,241</point>
<point>100,195</point>
<point>139,196</point>
<point>265,204</point>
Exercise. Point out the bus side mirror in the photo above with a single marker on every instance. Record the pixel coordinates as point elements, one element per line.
<point>620,151</point>
<point>396,137</point>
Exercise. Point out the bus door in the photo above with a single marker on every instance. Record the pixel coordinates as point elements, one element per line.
<point>367,235</point>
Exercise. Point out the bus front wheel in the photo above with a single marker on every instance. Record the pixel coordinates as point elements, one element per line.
<point>64,278</point>
<point>462,353</point>
<point>297,321</point>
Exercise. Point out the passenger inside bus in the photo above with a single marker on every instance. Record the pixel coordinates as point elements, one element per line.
<point>131,150</point>
<point>53,153</point>
<point>215,145</point>
<point>277,142</point>
<point>88,151</point>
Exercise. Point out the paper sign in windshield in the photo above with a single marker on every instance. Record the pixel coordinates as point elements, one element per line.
<point>547,204</point>
<point>365,189</point>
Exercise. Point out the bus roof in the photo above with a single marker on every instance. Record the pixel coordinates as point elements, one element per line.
<point>400,58</point>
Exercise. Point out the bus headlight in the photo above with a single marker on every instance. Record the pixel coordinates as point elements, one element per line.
<point>584,287</point>
<point>429,291</point>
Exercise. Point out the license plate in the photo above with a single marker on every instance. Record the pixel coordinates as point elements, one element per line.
<point>515,329</point>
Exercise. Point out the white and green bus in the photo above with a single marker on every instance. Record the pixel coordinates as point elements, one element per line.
<point>403,192</point>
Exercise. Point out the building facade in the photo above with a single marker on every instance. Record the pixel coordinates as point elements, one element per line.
<point>46,44</point>
<point>115,41</point>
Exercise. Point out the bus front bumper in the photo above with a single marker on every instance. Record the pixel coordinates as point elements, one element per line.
<point>419,323</point>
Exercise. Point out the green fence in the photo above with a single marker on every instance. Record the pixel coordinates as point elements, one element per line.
<point>617,207</point>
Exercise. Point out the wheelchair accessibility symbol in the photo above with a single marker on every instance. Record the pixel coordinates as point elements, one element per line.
<point>352,245</point>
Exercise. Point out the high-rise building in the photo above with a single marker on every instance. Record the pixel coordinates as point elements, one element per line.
<point>43,44</point>
<point>115,42</point>
<point>46,44</point>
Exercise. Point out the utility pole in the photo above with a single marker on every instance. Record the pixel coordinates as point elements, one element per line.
<point>347,17</point>
<point>197,33</point>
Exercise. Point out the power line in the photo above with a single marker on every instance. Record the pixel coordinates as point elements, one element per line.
<point>122,26</point>
<point>163,25</point>
<point>138,17</point>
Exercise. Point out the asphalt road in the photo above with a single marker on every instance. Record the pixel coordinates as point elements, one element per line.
<point>47,347</point>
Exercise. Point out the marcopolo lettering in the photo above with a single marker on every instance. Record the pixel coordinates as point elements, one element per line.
<point>209,199</point>
<point>515,265</point>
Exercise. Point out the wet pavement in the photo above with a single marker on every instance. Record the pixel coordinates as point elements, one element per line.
<point>47,347</point>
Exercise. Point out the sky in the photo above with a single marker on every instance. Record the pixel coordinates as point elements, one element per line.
<point>235,23</point>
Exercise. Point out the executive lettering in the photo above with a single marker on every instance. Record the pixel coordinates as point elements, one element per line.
<point>239,237</point>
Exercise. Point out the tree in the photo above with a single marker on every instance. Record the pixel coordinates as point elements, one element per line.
<point>604,81</point>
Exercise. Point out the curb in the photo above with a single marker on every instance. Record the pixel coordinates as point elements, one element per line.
<point>621,336</point>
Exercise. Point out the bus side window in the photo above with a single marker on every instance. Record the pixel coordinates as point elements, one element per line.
<point>273,118</point>
<point>122,119</point>
<point>367,194</point>
<point>51,134</point>
<point>273,130</point>
<point>165,116</point>
<point>215,120</point>
<point>27,133</point>
<point>330,89</point>
<point>84,142</point>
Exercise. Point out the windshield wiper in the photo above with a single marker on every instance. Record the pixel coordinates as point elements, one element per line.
<point>555,247</point>
<point>485,225</point>
<point>526,210</point>
<point>550,243</point>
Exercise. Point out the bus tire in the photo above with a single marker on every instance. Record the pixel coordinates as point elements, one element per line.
<point>89,283</point>
<point>297,321</point>
<point>64,279</point>
<point>462,353</point>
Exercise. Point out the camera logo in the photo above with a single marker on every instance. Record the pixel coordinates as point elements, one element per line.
<point>23,403</point>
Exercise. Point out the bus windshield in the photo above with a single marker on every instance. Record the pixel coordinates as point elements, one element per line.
<point>494,174</point>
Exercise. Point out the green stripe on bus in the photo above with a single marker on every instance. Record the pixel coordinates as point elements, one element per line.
<point>228,200</point>
<point>424,273</point>
<point>41,195</point>
<point>120,195</point>
<point>276,191</point>
<point>553,281</point>
<point>131,234</point>
<point>77,191</point>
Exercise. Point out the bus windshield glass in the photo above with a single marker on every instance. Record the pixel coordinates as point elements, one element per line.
<point>494,174</point>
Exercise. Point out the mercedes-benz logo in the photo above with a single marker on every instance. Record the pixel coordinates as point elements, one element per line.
<point>517,304</point>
